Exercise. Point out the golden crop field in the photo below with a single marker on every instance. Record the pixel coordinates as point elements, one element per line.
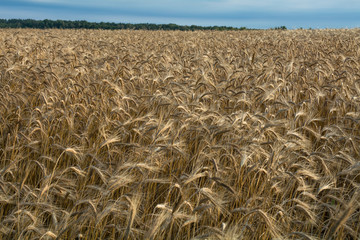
<point>179,135</point>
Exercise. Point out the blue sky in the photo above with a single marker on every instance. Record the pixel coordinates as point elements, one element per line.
<point>237,13</point>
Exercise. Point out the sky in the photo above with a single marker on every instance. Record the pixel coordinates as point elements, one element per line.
<point>237,13</point>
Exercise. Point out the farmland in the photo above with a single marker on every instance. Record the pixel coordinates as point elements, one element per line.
<point>179,135</point>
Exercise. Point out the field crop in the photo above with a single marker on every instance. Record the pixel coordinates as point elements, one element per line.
<point>179,135</point>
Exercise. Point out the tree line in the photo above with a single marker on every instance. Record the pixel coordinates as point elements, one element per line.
<point>66,24</point>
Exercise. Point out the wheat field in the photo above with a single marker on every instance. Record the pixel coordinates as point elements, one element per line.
<point>179,135</point>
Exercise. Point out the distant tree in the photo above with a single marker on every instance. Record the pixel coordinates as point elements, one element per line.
<point>63,24</point>
<point>280,28</point>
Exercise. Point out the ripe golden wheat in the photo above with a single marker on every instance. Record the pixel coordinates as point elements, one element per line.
<point>179,135</point>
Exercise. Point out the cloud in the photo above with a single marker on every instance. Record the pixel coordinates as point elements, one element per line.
<point>207,6</point>
<point>248,13</point>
